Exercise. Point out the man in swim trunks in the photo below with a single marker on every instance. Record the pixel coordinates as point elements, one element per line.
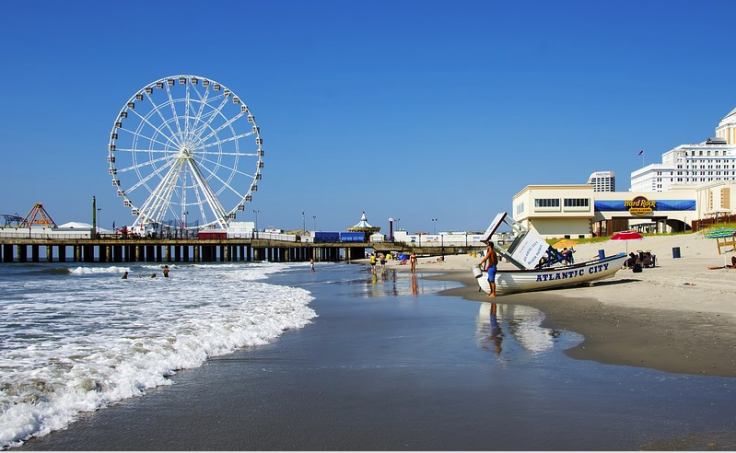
<point>492,260</point>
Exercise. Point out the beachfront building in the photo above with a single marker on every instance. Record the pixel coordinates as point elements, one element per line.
<point>603,181</point>
<point>713,160</point>
<point>578,211</point>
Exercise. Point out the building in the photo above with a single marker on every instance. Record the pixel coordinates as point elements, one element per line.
<point>713,160</point>
<point>603,181</point>
<point>578,211</point>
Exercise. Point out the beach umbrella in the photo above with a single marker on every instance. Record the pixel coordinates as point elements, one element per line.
<point>721,233</point>
<point>627,236</point>
<point>565,243</point>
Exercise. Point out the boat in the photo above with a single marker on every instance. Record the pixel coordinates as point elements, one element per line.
<point>526,253</point>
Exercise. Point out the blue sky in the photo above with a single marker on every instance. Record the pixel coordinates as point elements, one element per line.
<point>415,110</point>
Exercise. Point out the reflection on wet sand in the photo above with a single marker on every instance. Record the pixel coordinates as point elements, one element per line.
<point>390,282</point>
<point>521,323</point>
<point>496,332</point>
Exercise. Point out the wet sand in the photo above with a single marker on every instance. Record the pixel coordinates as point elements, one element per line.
<point>679,317</point>
<point>675,341</point>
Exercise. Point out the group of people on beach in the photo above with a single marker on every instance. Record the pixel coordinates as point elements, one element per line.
<point>375,259</point>
<point>638,261</point>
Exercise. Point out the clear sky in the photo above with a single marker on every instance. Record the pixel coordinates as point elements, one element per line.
<point>415,110</point>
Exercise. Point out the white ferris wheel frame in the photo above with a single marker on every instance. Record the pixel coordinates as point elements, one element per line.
<point>186,145</point>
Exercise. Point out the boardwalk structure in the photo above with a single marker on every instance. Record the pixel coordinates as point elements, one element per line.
<point>174,250</point>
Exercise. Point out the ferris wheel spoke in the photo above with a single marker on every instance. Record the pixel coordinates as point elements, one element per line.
<point>202,103</point>
<point>210,117</point>
<point>160,198</point>
<point>143,164</point>
<point>175,115</point>
<point>147,178</point>
<point>186,111</point>
<point>226,184</point>
<point>229,139</point>
<point>217,209</point>
<point>144,150</point>
<point>158,129</point>
<point>233,169</point>
<point>228,123</point>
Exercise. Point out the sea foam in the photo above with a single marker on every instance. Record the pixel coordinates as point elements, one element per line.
<point>79,342</point>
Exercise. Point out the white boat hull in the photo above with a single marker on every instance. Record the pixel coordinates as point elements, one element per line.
<point>517,280</point>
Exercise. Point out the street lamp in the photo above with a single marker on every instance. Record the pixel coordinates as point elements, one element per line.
<point>97,230</point>
<point>315,222</point>
<point>255,211</point>
<point>184,223</point>
<point>435,225</point>
<point>304,223</point>
<point>398,228</point>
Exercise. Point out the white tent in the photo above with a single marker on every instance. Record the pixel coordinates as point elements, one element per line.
<point>76,226</point>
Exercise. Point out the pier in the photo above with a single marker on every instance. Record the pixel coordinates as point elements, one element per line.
<point>176,250</point>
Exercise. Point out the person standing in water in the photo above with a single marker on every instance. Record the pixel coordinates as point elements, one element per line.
<point>166,271</point>
<point>492,260</point>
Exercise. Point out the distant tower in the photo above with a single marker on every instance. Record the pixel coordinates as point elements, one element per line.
<point>603,181</point>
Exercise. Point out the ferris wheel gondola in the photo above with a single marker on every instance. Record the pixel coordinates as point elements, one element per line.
<point>185,151</point>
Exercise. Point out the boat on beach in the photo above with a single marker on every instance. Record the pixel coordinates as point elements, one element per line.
<point>527,251</point>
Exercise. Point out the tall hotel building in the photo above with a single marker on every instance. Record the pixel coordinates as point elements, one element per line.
<point>711,161</point>
<point>603,181</point>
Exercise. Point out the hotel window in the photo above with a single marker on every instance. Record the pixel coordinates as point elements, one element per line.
<point>577,202</point>
<point>546,202</point>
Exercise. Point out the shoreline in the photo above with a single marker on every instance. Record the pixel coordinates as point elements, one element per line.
<point>679,317</point>
<point>673,341</point>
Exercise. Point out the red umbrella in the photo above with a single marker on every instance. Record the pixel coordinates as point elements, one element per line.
<point>627,236</point>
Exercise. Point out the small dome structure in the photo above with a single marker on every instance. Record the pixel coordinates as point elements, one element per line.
<point>364,226</point>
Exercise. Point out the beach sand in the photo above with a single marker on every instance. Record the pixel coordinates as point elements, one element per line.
<point>679,317</point>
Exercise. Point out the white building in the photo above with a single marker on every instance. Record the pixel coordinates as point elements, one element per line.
<point>603,181</point>
<point>576,211</point>
<point>693,164</point>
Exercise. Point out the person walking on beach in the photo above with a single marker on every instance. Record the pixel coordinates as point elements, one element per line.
<point>383,262</point>
<point>413,261</point>
<point>311,264</point>
<point>492,260</point>
<point>373,263</point>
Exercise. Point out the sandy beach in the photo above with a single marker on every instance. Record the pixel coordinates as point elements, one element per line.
<point>679,317</point>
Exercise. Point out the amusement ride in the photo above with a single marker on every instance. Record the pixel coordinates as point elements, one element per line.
<point>185,152</point>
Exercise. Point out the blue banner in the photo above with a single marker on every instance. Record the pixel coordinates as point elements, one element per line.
<point>659,205</point>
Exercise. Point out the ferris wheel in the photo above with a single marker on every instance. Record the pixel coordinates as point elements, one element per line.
<point>185,152</point>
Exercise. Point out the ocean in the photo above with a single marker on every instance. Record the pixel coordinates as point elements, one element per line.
<point>269,356</point>
<point>77,338</point>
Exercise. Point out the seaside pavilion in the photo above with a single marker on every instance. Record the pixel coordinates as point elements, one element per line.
<point>364,227</point>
